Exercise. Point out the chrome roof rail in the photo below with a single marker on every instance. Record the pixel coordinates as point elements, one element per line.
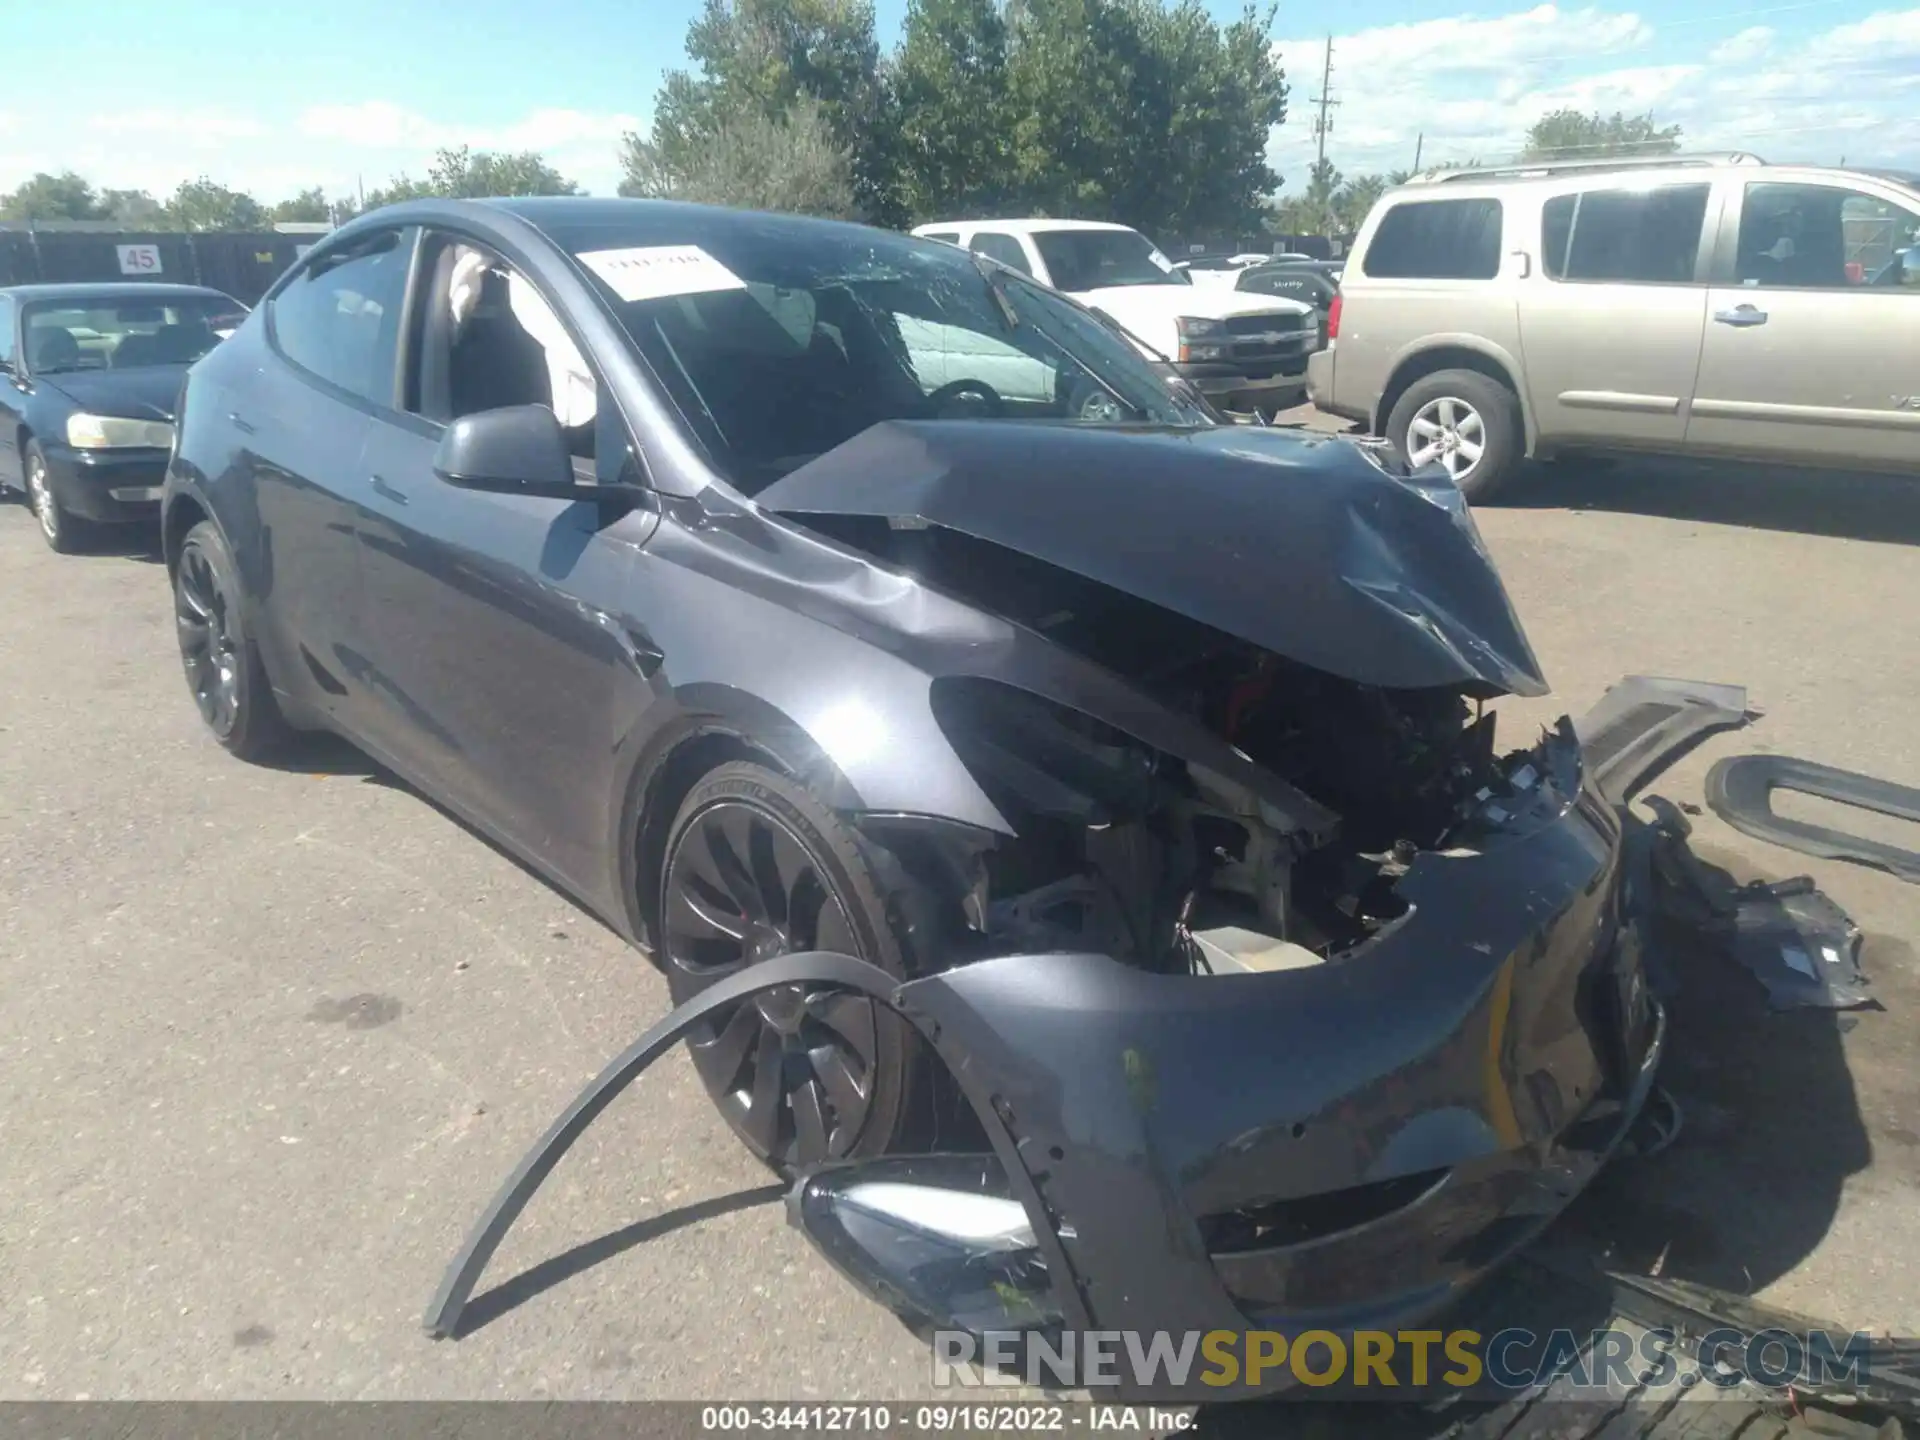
<point>1542,169</point>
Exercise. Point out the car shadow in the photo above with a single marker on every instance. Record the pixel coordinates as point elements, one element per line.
<point>319,752</point>
<point>1772,1127</point>
<point>1845,504</point>
<point>538,1279</point>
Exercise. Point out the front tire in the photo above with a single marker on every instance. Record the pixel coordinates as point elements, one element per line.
<point>757,866</point>
<point>224,671</point>
<point>1466,423</point>
<point>63,533</point>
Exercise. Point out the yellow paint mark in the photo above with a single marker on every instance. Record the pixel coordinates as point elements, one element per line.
<point>1499,1102</point>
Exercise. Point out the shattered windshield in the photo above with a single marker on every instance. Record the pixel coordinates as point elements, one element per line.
<point>779,340</point>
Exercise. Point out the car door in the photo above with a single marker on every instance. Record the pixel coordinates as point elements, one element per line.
<point>1612,313</point>
<point>507,675</point>
<point>1812,350</point>
<point>301,422</point>
<point>12,398</point>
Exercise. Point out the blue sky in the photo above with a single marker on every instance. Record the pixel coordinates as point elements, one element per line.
<point>278,97</point>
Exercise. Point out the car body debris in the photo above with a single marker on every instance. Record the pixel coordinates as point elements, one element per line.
<point>1800,945</point>
<point>1740,790</point>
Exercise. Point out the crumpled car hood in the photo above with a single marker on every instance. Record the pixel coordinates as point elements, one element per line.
<point>1305,546</point>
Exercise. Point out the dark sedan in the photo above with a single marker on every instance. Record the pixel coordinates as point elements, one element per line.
<point>1311,282</point>
<point>93,371</point>
<point>712,565</point>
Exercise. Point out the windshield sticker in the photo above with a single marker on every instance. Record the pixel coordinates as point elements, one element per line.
<point>1162,261</point>
<point>648,272</point>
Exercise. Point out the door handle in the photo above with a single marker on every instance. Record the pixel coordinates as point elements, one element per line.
<point>1526,263</point>
<point>1741,315</point>
<point>386,491</point>
<point>233,417</point>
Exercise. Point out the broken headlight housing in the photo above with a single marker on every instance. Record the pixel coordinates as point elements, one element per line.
<point>937,1237</point>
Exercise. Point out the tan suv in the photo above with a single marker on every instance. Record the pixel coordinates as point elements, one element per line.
<point>1711,306</point>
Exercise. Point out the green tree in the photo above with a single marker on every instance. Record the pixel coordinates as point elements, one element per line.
<point>462,173</point>
<point>65,196</point>
<point>758,58</point>
<point>1157,117</point>
<point>400,187</point>
<point>1573,135</point>
<point>310,206</point>
<point>205,204</point>
<point>1315,211</point>
<point>754,161</point>
<point>135,209</point>
<point>954,145</point>
<point>1355,197</point>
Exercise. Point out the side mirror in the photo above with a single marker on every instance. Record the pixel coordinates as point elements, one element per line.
<point>517,450</point>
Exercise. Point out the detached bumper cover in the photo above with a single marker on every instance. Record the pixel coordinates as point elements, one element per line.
<point>1454,1083</point>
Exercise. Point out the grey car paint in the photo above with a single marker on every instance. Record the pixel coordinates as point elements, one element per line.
<point>434,626</point>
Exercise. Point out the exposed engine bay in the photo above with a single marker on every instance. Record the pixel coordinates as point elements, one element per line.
<point>1129,852</point>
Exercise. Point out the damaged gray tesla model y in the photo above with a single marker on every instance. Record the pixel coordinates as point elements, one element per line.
<point>1068,823</point>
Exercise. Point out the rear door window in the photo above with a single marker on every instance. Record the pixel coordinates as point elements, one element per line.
<point>339,318</point>
<point>1302,285</point>
<point>1647,237</point>
<point>1436,240</point>
<point>1825,237</point>
<point>1003,248</point>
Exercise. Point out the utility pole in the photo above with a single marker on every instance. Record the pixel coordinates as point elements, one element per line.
<point>1324,99</point>
<point>1418,145</point>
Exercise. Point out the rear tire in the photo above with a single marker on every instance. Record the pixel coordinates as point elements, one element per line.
<point>1466,423</point>
<point>63,532</point>
<point>757,866</point>
<point>225,674</point>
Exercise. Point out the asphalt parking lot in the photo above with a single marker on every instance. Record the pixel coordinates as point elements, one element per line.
<point>271,1037</point>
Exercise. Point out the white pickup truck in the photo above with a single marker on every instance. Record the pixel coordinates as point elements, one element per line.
<point>1242,351</point>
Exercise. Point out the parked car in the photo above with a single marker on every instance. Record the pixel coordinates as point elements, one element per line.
<point>1714,306</point>
<point>1222,269</point>
<point>86,419</point>
<point>1242,352</point>
<point>636,534</point>
<point>1311,282</point>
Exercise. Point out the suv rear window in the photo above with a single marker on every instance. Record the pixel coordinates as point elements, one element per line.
<point>1649,237</point>
<point>1436,240</point>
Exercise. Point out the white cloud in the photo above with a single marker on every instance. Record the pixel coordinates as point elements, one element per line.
<point>1469,86</point>
<point>193,126</point>
<point>1743,49</point>
<point>337,147</point>
<point>373,125</point>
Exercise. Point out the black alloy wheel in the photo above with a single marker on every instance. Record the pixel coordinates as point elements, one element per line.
<point>757,868</point>
<point>201,611</point>
<point>224,672</point>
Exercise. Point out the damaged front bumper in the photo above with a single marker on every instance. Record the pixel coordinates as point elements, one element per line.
<point>1342,1146</point>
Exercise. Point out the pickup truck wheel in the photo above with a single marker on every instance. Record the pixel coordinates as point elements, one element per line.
<point>1466,423</point>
